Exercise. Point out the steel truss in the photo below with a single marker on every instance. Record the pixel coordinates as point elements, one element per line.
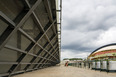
<point>30,40</point>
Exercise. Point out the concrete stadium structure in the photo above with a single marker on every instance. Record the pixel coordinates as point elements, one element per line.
<point>30,35</point>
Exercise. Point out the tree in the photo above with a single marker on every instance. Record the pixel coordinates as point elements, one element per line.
<point>114,55</point>
<point>65,59</point>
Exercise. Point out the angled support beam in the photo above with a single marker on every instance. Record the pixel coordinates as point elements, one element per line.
<point>48,8</point>
<point>50,56</point>
<point>43,29</point>
<point>21,22</point>
<point>17,27</point>
<point>7,20</point>
<point>44,48</point>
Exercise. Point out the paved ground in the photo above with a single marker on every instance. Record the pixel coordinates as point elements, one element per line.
<point>61,71</point>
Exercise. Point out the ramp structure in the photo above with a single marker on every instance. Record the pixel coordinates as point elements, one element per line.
<point>30,33</point>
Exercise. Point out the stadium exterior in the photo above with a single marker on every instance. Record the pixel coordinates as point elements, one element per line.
<point>104,58</point>
<point>104,52</point>
<point>30,35</point>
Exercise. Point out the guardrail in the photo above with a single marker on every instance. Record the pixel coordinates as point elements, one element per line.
<point>101,65</point>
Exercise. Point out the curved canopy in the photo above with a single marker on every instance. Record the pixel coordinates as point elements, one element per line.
<point>106,50</point>
<point>105,47</point>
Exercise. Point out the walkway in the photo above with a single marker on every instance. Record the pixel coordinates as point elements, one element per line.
<point>61,71</point>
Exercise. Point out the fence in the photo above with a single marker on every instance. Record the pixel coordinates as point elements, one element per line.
<point>101,65</point>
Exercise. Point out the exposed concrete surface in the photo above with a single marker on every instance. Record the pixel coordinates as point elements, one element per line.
<point>61,71</point>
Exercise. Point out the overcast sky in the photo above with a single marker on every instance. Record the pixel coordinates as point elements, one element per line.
<point>87,25</point>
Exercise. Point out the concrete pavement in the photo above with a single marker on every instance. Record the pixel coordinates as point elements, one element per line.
<point>61,71</point>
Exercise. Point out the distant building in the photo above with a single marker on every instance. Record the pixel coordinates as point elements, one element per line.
<point>104,52</point>
<point>72,60</point>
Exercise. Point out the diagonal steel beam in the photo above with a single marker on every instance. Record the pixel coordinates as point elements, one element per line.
<point>52,53</point>
<point>7,20</point>
<point>38,55</point>
<point>34,42</point>
<point>48,57</point>
<point>48,8</point>
<point>21,22</point>
<point>14,67</point>
<point>49,12</point>
<point>43,29</point>
<point>21,51</point>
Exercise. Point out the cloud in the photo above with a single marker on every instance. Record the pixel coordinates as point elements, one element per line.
<point>89,12</point>
<point>77,40</point>
<point>87,24</point>
<point>106,37</point>
<point>68,54</point>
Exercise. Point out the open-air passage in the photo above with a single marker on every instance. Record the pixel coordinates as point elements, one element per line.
<point>62,71</point>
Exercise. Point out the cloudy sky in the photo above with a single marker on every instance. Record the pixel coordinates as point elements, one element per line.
<point>87,25</point>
